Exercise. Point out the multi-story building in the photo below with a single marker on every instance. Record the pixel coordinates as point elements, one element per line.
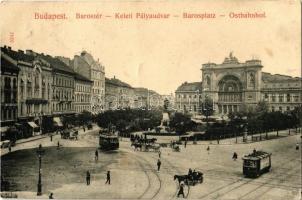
<point>87,66</point>
<point>188,97</point>
<point>83,87</point>
<point>232,84</point>
<point>145,98</point>
<point>63,87</point>
<point>9,92</point>
<point>34,88</point>
<point>118,95</point>
<point>281,92</point>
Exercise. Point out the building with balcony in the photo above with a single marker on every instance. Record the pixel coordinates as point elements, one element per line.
<point>9,94</point>
<point>34,89</point>
<point>63,87</point>
<point>82,93</point>
<point>93,70</point>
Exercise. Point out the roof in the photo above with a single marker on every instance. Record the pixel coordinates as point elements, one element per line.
<point>17,55</point>
<point>7,65</point>
<point>117,82</point>
<point>96,65</point>
<point>82,78</point>
<point>145,91</point>
<point>57,64</point>
<point>190,87</point>
<point>268,77</point>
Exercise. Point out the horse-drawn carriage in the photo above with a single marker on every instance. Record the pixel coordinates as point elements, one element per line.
<point>146,146</point>
<point>190,179</point>
<point>70,134</point>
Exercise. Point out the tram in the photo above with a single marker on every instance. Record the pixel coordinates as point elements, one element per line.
<point>108,142</point>
<point>256,163</point>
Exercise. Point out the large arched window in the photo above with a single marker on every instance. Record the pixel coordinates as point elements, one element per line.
<point>230,89</point>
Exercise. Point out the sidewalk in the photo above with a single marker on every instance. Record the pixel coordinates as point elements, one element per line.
<point>231,141</point>
<point>41,139</point>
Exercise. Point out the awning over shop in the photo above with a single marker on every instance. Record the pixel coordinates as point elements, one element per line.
<point>57,120</point>
<point>3,129</point>
<point>33,124</point>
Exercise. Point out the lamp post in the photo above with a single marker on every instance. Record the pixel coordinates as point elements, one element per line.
<point>40,152</point>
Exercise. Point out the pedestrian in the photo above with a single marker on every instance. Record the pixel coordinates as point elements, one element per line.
<point>9,147</point>
<point>159,153</point>
<point>51,196</point>
<point>108,178</point>
<point>51,137</point>
<point>88,178</point>
<point>297,146</point>
<point>84,128</point>
<point>235,156</point>
<point>96,157</point>
<point>185,143</point>
<point>208,149</point>
<point>58,146</point>
<point>181,190</point>
<point>158,164</point>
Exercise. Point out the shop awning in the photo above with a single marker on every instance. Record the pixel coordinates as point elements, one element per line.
<point>57,120</point>
<point>33,124</point>
<point>3,129</point>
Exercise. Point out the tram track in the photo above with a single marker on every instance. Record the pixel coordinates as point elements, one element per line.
<point>245,182</point>
<point>146,170</point>
<point>177,170</point>
<point>259,187</point>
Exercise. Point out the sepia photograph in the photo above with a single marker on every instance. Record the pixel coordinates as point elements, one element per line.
<point>138,99</point>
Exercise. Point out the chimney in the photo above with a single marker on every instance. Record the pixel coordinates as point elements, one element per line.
<point>9,48</point>
<point>30,52</point>
<point>21,51</point>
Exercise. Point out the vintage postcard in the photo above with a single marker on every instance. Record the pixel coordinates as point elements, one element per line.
<point>142,99</point>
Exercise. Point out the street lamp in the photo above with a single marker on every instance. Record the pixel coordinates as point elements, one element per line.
<point>40,152</point>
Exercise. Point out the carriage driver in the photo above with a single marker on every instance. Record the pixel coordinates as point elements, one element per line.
<point>190,173</point>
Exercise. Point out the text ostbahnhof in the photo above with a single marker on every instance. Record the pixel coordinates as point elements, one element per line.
<point>146,16</point>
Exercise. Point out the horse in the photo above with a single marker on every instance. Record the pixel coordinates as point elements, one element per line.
<point>137,146</point>
<point>181,178</point>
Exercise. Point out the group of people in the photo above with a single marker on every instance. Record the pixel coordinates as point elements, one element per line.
<point>192,174</point>
<point>88,176</point>
<point>136,138</point>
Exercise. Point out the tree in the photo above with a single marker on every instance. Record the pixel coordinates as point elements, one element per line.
<point>261,109</point>
<point>181,123</point>
<point>130,119</point>
<point>85,117</point>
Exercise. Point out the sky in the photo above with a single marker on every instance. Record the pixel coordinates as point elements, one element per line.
<point>160,54</point>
